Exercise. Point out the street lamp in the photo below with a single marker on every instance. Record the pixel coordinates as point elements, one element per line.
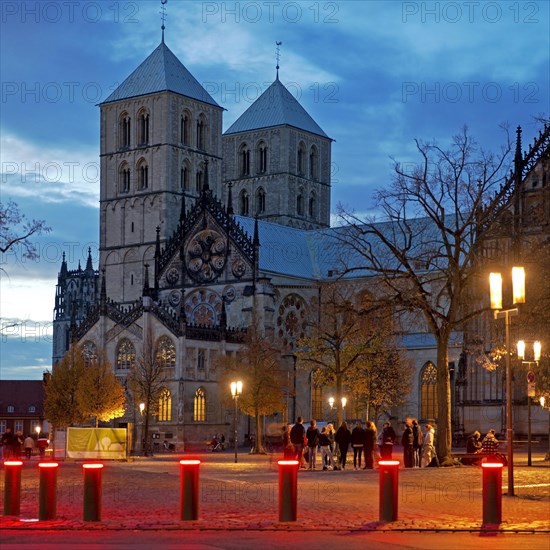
<point>537,349</point>
<point>331,402</point>
<point>143,443</point>
<point>236,390</point>
<point>37,430</point>
<point>518,283</point>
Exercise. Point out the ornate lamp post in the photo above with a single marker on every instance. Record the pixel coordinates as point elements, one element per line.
<point>537,349</point>
<point>518,282</point>
<point>143,442</point>
<point>331,402</point>
<point>236,390</point>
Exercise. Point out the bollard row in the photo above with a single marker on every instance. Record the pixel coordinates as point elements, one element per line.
<point>189,490</point>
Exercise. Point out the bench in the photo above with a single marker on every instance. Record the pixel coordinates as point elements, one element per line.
<point>474,459</point>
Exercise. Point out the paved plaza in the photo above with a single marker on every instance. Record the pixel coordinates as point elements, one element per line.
<point>439,507</point>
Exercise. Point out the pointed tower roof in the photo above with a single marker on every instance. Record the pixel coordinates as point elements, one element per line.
<point>275,107</point>
<point>162,71</point>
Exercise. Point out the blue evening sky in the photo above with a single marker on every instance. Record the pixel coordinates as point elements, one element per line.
<point>375,75</point>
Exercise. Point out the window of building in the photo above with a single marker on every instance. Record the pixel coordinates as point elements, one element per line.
<point>124,131</point>
<point>185,127</point>
<point>184,177</point>
<point>300,204</point>
<point>143,175</point>
<point>199,406</point>
<point>126,355</point>
<point>262,158</point>
<point>317,404</point>
<point>200,360</point>
<point>166,352</point>
<point>89,353</point>
<point>260,201</point>
<point>201,132</point>
<point>143,125</point>
<point>428,391</point>
<point>124,178</point>
<point>244,155</point>
<point>32,409</point>
<point>313,163</point>
<point>18,426</point>
<point>165,406</point>
<point>243,203</point>
<point>3,426</point>
<point>10,409</point>
<point>198,181</point>
<point>312,205</point>
<point>301,159</point>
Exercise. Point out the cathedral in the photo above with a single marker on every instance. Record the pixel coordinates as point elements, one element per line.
<point>202,231</point>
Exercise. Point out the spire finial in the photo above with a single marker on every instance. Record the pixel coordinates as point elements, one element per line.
<point>163,16</point>
<point>278,54</point>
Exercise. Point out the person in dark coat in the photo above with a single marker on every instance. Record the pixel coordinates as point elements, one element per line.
<point>388,439</point>
<point>368,447</point>
<point>417,442</point>
<point>343,439</point>
<point>312,436</point>
<point>473,445</point>
<point>297,436</point>
<point>407,440</point>
<point>357,443</point>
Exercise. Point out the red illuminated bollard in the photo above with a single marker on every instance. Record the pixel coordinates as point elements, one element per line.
<point>12,487</point>
<point>92,491</point>
<point>189,489</point>
<point>288,490</point>
<point>389,477</point>
<point>47,496</point>
<point>492,492</point>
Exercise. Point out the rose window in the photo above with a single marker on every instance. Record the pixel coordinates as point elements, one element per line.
<point>291,320</point>
<point>205,255</point>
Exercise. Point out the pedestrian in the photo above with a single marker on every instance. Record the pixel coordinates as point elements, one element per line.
<point>28,445</point>
<point>42,444</point>
<point>343,439</point>
<point>7,444</point>
<point>474,444</point>
<point>428,449</point>
<point>369,445</point>
<point>312,436</point>
<point>297,436</point>
<point>17,445</point>
<point>417,442</point>
<point>489,445</point>
<point>326,454</point>
<point>357,443</point>
<point>331,432</point>
<point>288,447</point>
<point>407,440</point>
<point>388,437</point>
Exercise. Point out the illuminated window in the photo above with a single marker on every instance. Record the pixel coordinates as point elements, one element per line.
<point>166,352</point>
<point>317,405</point>
<point>428,392</point>
<point>199,406</point>
<point>165,406</point>
<point>126,355</point>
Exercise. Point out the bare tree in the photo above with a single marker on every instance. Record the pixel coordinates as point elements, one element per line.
<point>146,382</point>
<point>350,336</point>
<point>258,366</point>
<point>426,253</point>
<point>17,230</point>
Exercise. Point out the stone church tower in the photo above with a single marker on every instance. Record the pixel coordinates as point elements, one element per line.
<point>159,130</point>
<point>277,161</point>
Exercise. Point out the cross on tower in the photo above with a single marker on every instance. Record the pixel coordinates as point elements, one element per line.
<point>278,54</point>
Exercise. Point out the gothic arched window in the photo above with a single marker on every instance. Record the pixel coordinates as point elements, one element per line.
<point>243,203</point>
<point>143,175</point>
<point>124,178</point>
<point>185,128</point>
<point>199,406</point>
<point>301,159</point>
<point>428,391</point>
<point>260,201</point>
<point>201,132</point>
<point>125,355</point>
<point>300,203</point>
<point>165,406</point>
<point>166,352</point>
<point>312,208</point>
<point>198,180</point>
<point>262,158</point>
<point>143,127</point>
<point>313,163</point>
<point>184,176</point>
<point>244,155</point>
<point>124,130</point>
<point>89,353</point>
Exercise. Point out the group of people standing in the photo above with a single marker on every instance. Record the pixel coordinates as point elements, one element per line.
<point>366,443</point>
<point>12,444</point>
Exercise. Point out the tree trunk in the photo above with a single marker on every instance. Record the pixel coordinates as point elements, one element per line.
<point>443,433</point>
<point>338,402</point>
<point>258,444</point>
